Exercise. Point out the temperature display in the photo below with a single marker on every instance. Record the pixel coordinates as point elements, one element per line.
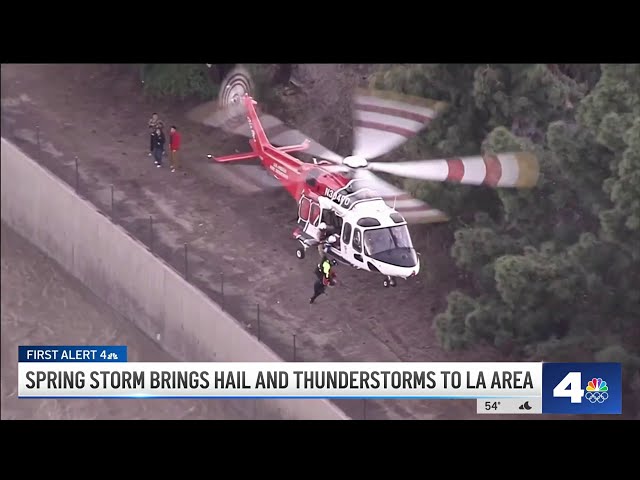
<point>510,406</point>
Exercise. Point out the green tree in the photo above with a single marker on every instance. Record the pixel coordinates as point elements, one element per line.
<point>556,269</point>
<point>177,80</point>
<point>202,81</point>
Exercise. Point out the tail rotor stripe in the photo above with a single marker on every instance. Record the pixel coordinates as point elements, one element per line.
<point>394,112</point>
<point>494,170</point>
<point>455,170</point>
<point>406,102</point>
<point>385,120</point>
<point>403,132</point>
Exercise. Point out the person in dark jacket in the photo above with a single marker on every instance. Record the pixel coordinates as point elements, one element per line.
<point>158,146</point>
<point>154,123</point>
<point>325,277</point>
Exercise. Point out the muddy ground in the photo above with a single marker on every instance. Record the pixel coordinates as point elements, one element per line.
<point>238,234</point>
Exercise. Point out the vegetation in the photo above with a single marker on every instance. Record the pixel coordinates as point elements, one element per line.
<point>557,269</point>
<point>176,80</point>
<point>197,80</point>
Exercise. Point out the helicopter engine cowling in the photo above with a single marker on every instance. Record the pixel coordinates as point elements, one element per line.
<point>355,161</point>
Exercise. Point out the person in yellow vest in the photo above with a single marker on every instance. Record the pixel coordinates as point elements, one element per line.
<point>325,277</point>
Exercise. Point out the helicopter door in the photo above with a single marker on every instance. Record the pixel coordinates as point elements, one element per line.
<point>304,209</point>
<point>315,214</point>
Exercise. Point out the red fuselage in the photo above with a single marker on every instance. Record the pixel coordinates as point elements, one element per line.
<point>296,176</point>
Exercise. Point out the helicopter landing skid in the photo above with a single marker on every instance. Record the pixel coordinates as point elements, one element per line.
<point>389,282</point>
<point>302,249</point>
<point>305,242</point>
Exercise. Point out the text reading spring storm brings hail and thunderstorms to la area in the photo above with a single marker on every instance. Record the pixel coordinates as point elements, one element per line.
<point>375,379</point>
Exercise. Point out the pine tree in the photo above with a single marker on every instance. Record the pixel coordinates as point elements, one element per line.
<point>556,269</point>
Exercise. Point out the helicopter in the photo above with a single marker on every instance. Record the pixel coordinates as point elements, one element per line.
<point>366,218</point>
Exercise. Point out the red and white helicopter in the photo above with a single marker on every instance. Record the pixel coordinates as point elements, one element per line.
<point>368,215</point>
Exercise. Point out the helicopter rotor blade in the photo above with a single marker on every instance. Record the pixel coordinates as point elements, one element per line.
<point>232,119</point>
<point>281,134</point>
<point>342,169</point>
<point>413,210</point>
<point>384,120</point>
<point>518,170</point>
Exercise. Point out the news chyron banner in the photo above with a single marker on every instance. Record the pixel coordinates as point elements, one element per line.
<point>497,387</point>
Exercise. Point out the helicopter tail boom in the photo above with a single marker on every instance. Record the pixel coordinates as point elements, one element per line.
<point>236,157</point>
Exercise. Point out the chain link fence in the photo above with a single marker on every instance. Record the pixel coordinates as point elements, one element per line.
<point>251,315</point>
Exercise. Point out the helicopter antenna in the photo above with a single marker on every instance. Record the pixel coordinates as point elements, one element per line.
<point>394,201</point>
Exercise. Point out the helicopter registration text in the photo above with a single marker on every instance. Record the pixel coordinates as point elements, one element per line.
<point>336,197</point>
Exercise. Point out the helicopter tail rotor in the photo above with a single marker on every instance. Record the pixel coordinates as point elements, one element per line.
<point>227,112</point>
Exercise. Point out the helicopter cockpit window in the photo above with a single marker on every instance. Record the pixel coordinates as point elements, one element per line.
<point>379,240</point>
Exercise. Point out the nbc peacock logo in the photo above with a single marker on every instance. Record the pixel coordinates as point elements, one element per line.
<point>597,391</point>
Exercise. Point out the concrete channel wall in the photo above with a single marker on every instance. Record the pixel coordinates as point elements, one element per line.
<point>125,274</point>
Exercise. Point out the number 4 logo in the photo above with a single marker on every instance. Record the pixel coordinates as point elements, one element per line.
<point>570,387</point>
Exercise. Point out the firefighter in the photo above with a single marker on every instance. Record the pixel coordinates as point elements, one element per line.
<point>326,239</point>
<point>322,236</point>
<point>325,277</point>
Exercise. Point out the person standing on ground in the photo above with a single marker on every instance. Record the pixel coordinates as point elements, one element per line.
<point>174,146</point>
<point>158,146</point>
<point>154,122</point>
<point>161,127</point>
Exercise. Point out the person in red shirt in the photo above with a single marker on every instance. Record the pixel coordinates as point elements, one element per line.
<point>174,146</point>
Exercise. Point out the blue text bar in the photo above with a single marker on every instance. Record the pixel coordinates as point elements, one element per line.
<point>74,353</point>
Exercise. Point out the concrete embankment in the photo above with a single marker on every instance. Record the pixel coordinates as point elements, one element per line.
<point>125,274</point>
